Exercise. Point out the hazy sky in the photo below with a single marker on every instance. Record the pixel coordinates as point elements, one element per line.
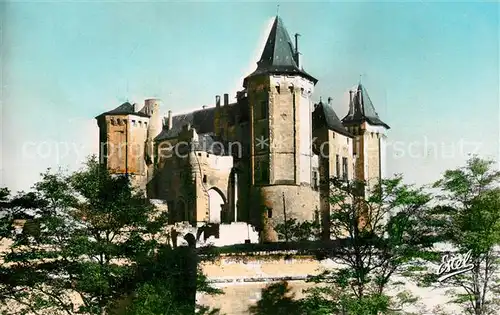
<point>431,70</point>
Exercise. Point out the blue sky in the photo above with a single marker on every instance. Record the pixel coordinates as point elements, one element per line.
<point>431,70</point>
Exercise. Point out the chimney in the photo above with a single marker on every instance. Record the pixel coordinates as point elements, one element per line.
<point>297,53</point>
<point>169,120</point>
<point>350,96</point>
<point>226,99</point>
<point>217,100</point>
<point>204,106</point>
<point>360,100</point>
<point>329,100</point>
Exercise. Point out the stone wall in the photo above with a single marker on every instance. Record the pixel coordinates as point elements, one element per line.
<point>300,202</point>
<point>242,279</point>
<point>122,146</point>
<point>212,174</point>
<point>206,171</point>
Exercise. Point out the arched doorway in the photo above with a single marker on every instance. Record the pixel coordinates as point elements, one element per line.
<point>216,201</point>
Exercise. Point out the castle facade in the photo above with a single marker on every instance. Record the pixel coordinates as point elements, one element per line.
<point>259,160</point>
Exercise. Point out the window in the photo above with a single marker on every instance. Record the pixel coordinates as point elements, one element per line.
<point>337,166</point>
<point>204,178</point>
<point>269,213</point>
<point>344,169</point>
<point>315,179</point>
<point>133,123</point>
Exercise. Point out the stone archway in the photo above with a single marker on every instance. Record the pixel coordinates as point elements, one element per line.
<point>216,200</point>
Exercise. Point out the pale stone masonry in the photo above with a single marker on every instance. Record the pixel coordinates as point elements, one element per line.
<point>256,161</point>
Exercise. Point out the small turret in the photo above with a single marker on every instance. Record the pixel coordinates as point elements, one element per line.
<point>369,130</point>
<point>152,108</point>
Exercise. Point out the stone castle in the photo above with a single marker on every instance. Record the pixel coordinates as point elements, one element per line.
<point>251,163</point>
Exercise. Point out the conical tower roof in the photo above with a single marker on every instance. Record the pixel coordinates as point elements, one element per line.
<point>324,115</point>
<point>361,109</point>
<point>279,55</point>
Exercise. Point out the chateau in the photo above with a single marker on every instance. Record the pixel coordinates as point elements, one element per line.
<point>251,163</point>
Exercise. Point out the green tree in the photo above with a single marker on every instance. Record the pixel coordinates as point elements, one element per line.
<point>92,239</point>
<point>5,214</point>
<point>377,238</point>
<point>165,285</point>
<point>297,231</point>
<point>468,218</point>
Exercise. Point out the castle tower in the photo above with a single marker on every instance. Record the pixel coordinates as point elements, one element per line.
<point>333,146</point>
<point>279,97</point>
<point>369,143</point>
<point>122,137</point>
<point>152,109</point>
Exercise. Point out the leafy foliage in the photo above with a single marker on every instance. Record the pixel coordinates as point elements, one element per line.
<point>468,218</point>
<point>93,245</point>
<point>297,231</point>
<point>380,239</point>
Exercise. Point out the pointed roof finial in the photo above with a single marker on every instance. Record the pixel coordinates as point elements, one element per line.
<point>279,55</point>
<point>361,109</point>
<point>278,10</point>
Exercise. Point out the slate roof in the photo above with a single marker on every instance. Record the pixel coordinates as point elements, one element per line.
<point>206,142</point>
<point>124,109</point>
<point>324,114</point>
<point>278,56</point>
<point>201,120</point>
<point>361,109</point>
<point>238,110</point>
